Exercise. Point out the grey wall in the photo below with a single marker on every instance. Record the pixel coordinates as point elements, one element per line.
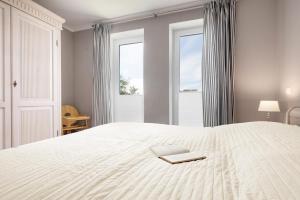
<point>156,64</point>
<point>256,65</point>
<point>83,55</point>
<point>156,61</point>
<point>289,51</point>
<point>267,60</point>
<point>67,67</point>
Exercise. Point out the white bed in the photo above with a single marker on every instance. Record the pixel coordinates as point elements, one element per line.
<point>259,160</point>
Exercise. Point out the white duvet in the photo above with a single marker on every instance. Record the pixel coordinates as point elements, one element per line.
<point>244,161</point>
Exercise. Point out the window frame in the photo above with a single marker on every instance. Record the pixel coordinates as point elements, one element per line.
<point>177,35</point>
<point>116,61</point>
<point>117,39</point>
<point>174,69</point>
<point>190,32</point>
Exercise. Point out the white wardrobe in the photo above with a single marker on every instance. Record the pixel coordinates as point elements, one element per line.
<point>29,73</point>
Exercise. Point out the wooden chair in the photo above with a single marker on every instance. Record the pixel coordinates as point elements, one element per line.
<point>72,121</point>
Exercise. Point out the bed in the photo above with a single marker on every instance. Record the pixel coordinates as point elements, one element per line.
<point>257,160</point>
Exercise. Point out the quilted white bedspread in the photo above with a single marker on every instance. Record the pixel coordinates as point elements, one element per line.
<point>259,160</point>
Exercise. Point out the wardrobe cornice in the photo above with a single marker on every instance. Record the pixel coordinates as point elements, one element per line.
<point>35,10</point>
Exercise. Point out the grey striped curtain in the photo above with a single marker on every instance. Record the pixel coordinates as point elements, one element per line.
<point>218,63</point>
<point>102,111</point>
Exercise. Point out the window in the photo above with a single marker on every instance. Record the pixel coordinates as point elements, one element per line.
<point>127,68</point>
<point>131,69</point>
<point>190,62</point>
<point>186,73</point>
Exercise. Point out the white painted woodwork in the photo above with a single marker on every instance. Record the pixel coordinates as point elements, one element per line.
<point>30,56</point>
<point>37,11</point>
<point>185,108</point>
<point>35,124</point>
<point>126,108</point>
<point>35,70</point>
<point>5,96</point>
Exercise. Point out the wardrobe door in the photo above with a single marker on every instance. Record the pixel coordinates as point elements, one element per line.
<point>5,87</point>
<point>35,79</point>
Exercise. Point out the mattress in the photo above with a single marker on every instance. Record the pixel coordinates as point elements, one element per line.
<point>259,160</point>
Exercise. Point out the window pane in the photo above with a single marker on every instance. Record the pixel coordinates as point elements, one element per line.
<point>131,69</point>
<point>190,62</point>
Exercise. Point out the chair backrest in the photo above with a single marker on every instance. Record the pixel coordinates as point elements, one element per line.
<point>68,110</point>
<point>293,116</point>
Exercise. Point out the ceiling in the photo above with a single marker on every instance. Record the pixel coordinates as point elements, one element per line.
<point>82,13</point>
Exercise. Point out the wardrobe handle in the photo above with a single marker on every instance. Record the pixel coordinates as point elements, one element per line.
<point>15,83</point>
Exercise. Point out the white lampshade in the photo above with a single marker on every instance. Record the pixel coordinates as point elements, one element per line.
<point>269,106</point>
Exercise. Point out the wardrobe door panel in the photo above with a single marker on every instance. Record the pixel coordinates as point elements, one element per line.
<point>36,62</point>
<point>35,100</point>
<point>5,86</point>
<point>36,124</point>
<point>2,127</point>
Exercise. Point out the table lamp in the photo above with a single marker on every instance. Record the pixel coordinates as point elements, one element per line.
<point>268,107</point>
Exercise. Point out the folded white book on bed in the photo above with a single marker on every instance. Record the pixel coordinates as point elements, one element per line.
<point>175,154</point>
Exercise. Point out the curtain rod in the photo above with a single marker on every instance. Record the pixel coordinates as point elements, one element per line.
<point>156,13</point>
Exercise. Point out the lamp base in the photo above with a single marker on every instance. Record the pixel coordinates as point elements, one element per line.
<point>268,116</point>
